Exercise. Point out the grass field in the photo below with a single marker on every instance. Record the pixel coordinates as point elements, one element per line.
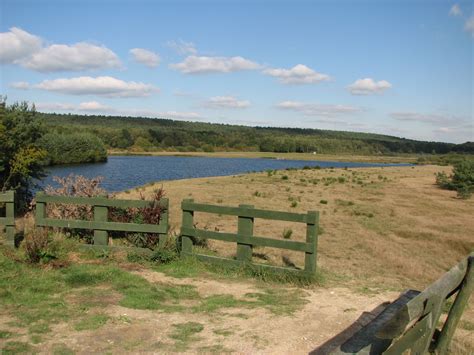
<point>383,230</point>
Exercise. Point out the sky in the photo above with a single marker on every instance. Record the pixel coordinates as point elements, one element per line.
<point>403,68</point>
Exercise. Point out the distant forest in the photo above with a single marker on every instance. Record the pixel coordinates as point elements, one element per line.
<point>147,134</point>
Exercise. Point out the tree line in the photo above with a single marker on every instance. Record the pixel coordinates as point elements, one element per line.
<point>147,134</point>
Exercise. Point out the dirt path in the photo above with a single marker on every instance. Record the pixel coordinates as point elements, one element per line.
<point>238,329</point>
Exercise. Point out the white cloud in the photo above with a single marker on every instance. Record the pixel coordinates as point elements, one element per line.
<point>455,10</point>
<point>146,57</point>
<point>96,107</point>
<point>55,106</point>
<point>299,74</point>
<point>197,65</point>
<point>432,118</point>
<point>469,25</point>
<point>368,86</point>
<point>20,85</point>
<point>17,44</point>
<point>93,106</point>
<point>218,102</point>
<point>318,110</point>
<point>76,57</point>
<point>179,115</point>
<point>22,48</point>
<point>102,86</point>
<point>182,47</point>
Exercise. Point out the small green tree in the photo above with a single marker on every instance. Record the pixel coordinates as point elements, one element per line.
<point>20,156</point>
<point>462,179</point>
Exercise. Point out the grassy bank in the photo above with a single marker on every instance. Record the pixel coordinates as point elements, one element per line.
<point>406,158</point>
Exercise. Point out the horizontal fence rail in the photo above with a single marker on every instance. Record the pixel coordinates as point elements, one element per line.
<point>100,224</point>
<point>8,198</point>
<point>245,238</point>
<point>410,323</point>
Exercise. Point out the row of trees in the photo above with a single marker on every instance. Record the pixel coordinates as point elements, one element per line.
<point>132,133</point>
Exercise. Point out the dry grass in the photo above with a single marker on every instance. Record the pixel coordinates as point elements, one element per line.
<point>391,226</point>
<point>402,158</point>
<point>383,228</point>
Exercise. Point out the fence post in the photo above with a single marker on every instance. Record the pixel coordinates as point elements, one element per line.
<point>40,214</point>
<point>187,222</point>
<point>100,215</point>
<point>311,237</point>
<point>454,315</point>
<point>244,228</point>
<point>10,214</point>
<point>162,238</point>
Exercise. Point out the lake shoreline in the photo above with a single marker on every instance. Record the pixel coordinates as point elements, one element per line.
<point>408,158</point>
<point>125,172</point>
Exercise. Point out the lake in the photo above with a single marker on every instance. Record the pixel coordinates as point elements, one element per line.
<point>125,172</point>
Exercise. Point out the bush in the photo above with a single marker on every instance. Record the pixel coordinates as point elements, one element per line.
<point>150,214</point>
<point>462,179</point>
<point>73,148</point>
<point>77,185</point>
<point>35,245</point>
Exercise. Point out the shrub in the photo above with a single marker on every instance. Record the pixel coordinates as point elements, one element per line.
<point>294,204</point>
<point>150,214</point>
<point>77,185</point>
<point>323,202</point>
<point>462,179</point>
<point>73,148</point>
<point>35,245</point>
<point>284,177</point>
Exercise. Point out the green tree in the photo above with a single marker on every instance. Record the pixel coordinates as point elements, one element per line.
<point>20,156</point>
<point>73,148</point>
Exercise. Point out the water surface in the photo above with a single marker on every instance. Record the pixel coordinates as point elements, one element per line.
<point>125,172</point>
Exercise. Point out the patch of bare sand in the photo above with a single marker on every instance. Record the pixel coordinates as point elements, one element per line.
<point>238,330</point>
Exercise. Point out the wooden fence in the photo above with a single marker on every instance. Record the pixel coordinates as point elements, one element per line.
<point>8,198</point>
<point>244,237</point>
<point>411,322</point>
<point>100,224</point>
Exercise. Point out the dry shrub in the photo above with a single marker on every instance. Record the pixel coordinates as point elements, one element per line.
<point>76,186</point>
<point>80,186</point>
<point>150,214</point>
<point>36,244</point>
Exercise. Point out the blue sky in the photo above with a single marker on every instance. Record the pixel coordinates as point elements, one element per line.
<point>403,68</point>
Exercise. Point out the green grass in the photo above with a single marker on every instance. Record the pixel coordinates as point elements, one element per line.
<point>185,333</point>
<point>39,298</point>
<point>16,347</point>
<point>92,322</point>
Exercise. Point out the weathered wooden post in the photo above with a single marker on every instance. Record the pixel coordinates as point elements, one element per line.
<point>10,217</point>
<point>312,224</point>
<point>40,214</point>
<point>100,215</point>
<point>187,222</point>
<point>164,219</point>
<point>455,313</point>
<point>244,228</point>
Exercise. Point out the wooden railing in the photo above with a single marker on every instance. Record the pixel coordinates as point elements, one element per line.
<point>100,224</point>
<point>245,239</point>
<point>8,198</point>
<point>411,322</point>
